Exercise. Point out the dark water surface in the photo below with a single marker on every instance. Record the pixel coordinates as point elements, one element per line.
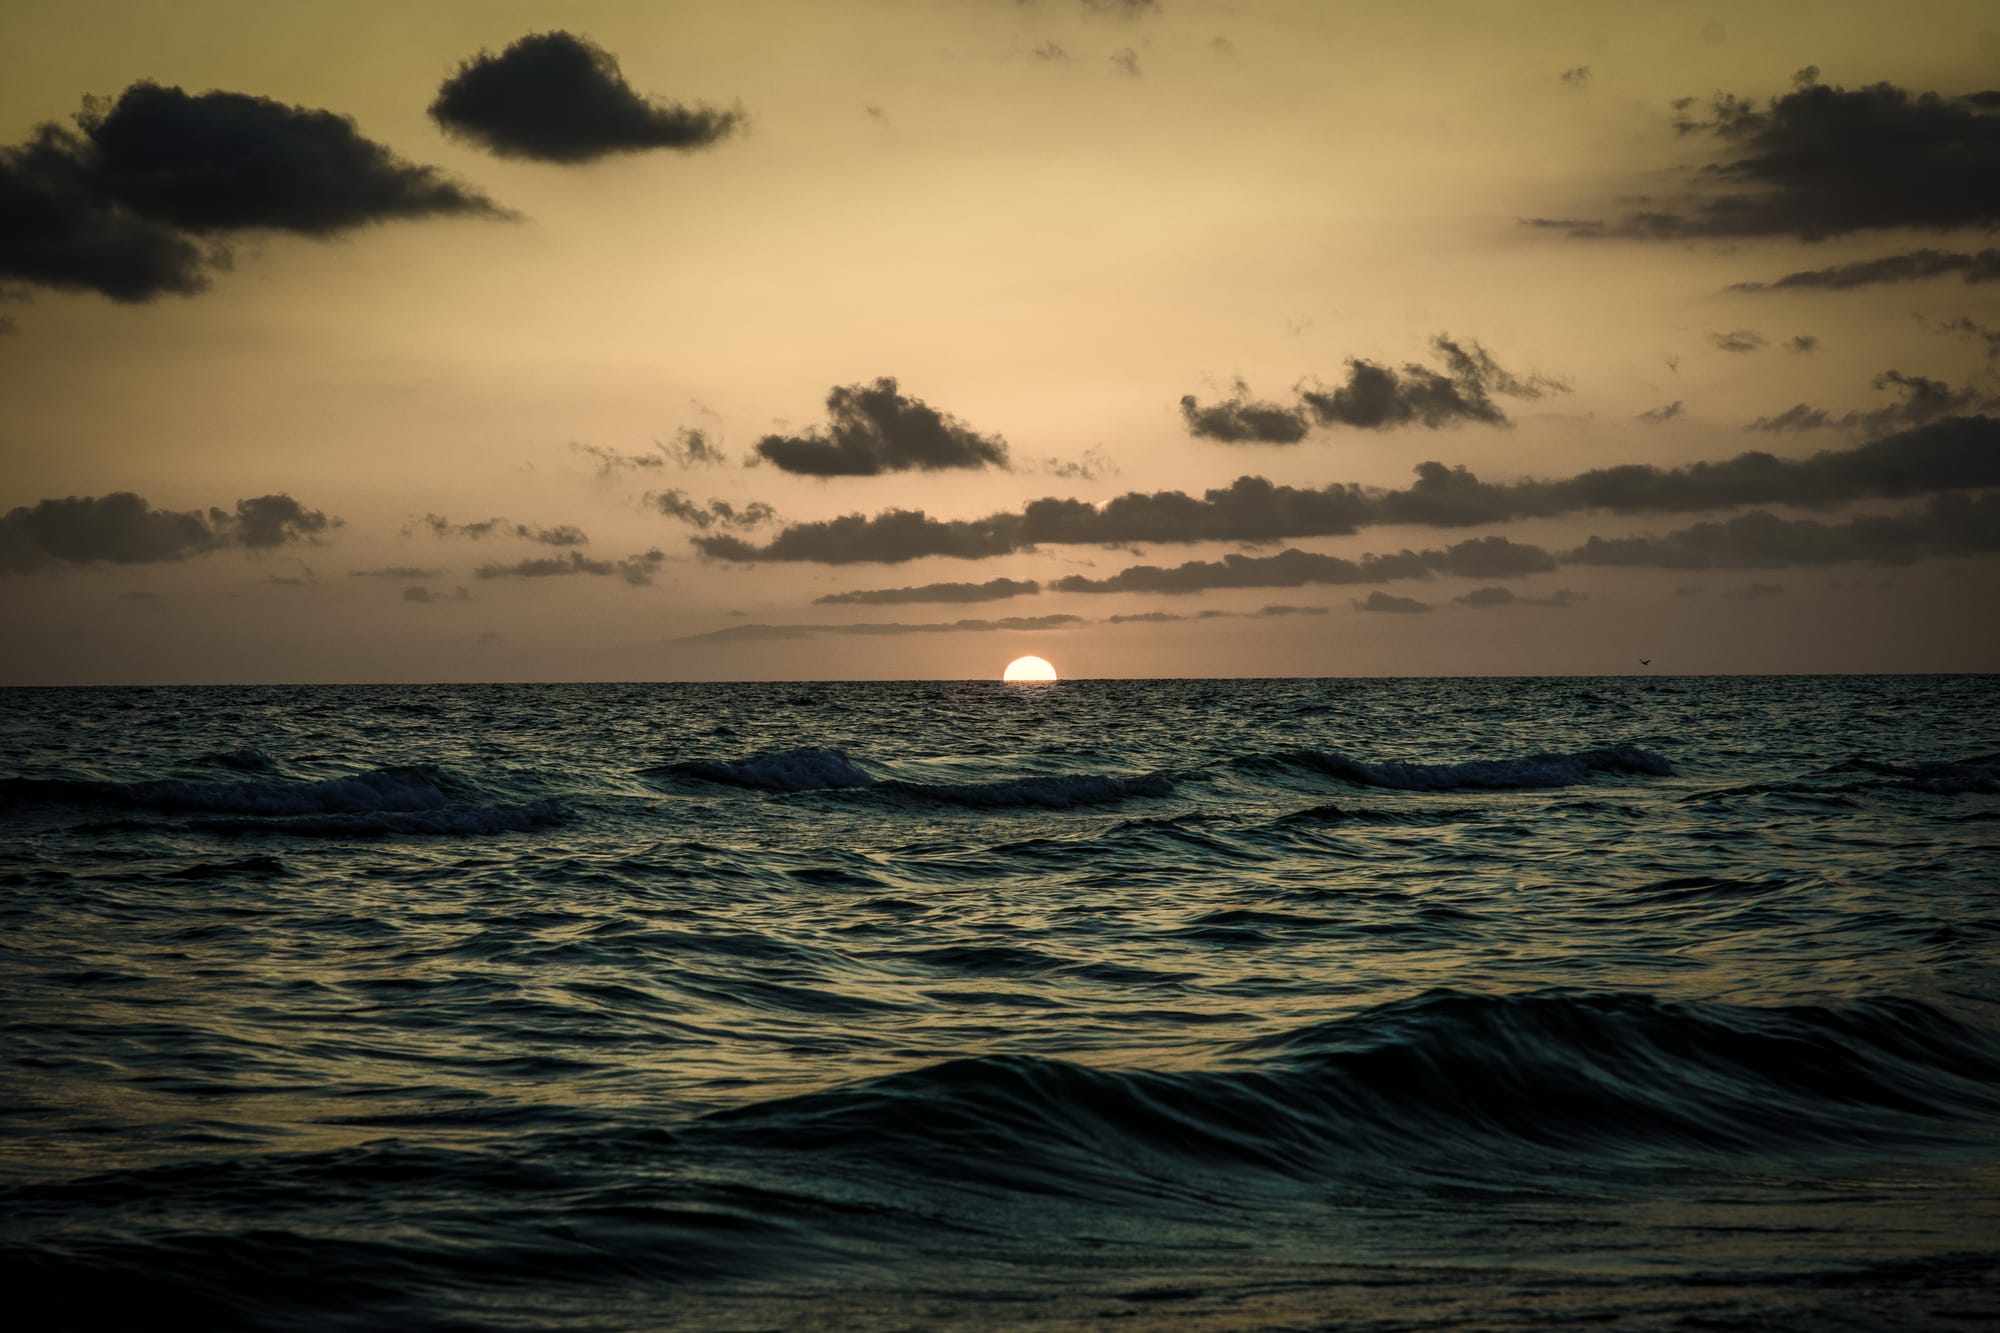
<point>1388,1004</point>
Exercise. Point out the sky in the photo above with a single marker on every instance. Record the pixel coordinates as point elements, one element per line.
<point>480,340</point>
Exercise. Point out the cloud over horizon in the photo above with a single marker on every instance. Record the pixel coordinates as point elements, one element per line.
<point>122,528</point>
<point>876,428</point>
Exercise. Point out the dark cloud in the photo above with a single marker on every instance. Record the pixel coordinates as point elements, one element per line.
<point>992,590</point>
<point>874,429</point>
<point>1145,618</point>
<point>121,528</point>
<point>1009,623</point>
<point>1804,342</point>
<point>142,198</point>
<point>1955,453</point>
<point>1949,525</point>
<point>637,570</point>
<point>714,514</point>
<point>1122,8</point>
<point>1824,161</point>
<point>1278,611</point>
<point>1494,596</point>
<point>1967,328</point>
<point>1983,266</point>
<point>1378,398</point>
<point>1241,419</point>
<point>561,535</point>
<point>1382,601</point>
<point>1923,400</point>
<point>1738,340</point>
<point>402,572</point>
<point>1657,415</point>
<point>1485,557</point>
<point>557,97</point>
<point>1577,76</point>
<point>425,596</point>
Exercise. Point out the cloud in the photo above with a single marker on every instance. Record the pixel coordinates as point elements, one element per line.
<point>1382,601</point>
<point>1657,415</point>
<point>716,513</point>
<point>122,528</point>
<point>1009,623</point>
<point>1804,342</point>
<point>1494,596</point>
<point>1950,525</point>
<point>875,429</point>
<point>1923,400</point>
<point>556,97</point>
<point>1954,453</point>
<point>561,535</point>
<point>1577,76</point>
<point>1278,611</point>
<point>426,597</point>
<point>1983,266</point>
<point>1485,557</point>
<point>1050,51</point>
<point>637,570</point>
<point>1738,340</point>
<point>142,198</point>
<point>1375,397</point>
<point>992,590</point>
<point>1122,8</point>
<point>1127,61</point>
<point>1240,419</point>
<point>1095,463</point>
<point>1825,161</point>
<point>1754,592</point>
<point>402,572</point>
<point>1967,328</point>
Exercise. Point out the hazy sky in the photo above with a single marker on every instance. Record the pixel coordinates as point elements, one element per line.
<point>497,341</point>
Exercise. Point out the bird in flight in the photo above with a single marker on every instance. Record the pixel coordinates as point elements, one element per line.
<point>1645,661</point>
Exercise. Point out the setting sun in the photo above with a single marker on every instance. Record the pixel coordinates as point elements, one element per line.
<point>1029,668</point>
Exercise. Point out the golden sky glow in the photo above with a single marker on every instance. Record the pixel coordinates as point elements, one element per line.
<point>1048,223</point>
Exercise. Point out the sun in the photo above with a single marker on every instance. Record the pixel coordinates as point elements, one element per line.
<point>1029,668</point>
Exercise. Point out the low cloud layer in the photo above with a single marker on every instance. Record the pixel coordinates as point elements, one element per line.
<point>1382,601</point>
<point>876,428</point>
<point>123,529</point>
<point>142,199</point>
<point>557,97</point>
<point>1486,557</point>
<point>1494,596</point>
<point>1922,400</point>
<point>1980,266</point>
<point>992,590</point>
<point>1950,525</point>
<point>637,570</point>
<point>438,525</point>
<point>1955,453</point>
<point>713,514</point>
<point>1375,397</point>
<point>881,629</point>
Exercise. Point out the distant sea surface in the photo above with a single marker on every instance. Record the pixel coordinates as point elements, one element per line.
<point>1196,1004</point>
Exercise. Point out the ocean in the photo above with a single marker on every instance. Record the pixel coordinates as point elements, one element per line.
<point>1387,1004</point>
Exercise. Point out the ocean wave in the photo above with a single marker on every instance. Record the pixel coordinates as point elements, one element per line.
<point>1536,770</point>
<point>816,769</point>
<point>401,788</point>
<point>1445,1078</point>
<point>1963,777</point>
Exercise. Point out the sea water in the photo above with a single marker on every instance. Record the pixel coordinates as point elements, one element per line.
<point>1382,1003</point>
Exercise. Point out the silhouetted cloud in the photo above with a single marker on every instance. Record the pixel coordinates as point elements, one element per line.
<point>1576,76</point>
<point>1122,8</point>
<point>1050,51</point>
<point>1982,266</point>
<point>1095,463</point>
<point>1657,415</point>
<point>1485,557</point>
<point>637,570</point>
<point>1824,161</point>
<point>1378,398</point>
<point>426,597</point>
<point>1955,453</point>
<point>1923,400</point>
<point>874,429</point>
<point>1967,328</point>
<point>564,534</point>
<point>1278,611</point>
<point>716,513</point>
<point>557,97</point>
<point>141,199</point>
<point>992,590</point>
<point>1494,596</point>
<point>1241,419</point>
<point>401,572</point>
<point>1948,525</point>
<point>1009,623</point>
<point>1738,340</point>
<point>121,528</point>
<point>1804,342</point>
<point>1382,601</point>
